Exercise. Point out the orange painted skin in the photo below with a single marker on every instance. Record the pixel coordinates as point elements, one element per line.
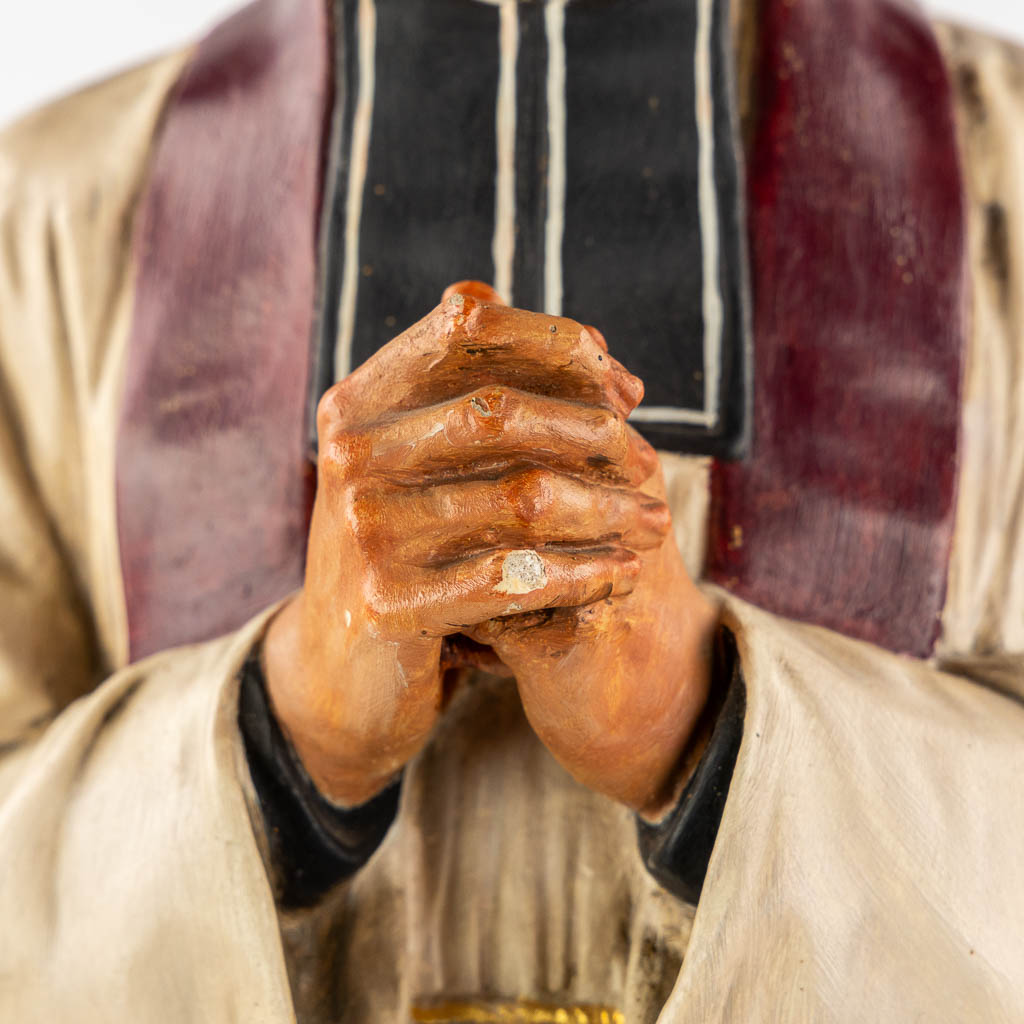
<point>479,433</point>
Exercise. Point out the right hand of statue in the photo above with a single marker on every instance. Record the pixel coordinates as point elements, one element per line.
<point>477,436</point>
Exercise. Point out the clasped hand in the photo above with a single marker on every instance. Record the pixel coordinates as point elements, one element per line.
<point>477,479</point>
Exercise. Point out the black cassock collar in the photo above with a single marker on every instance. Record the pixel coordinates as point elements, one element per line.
<point>583,157</point>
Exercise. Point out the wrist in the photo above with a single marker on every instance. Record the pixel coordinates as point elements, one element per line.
<point>345,782</point>
<point>698,736</point>
<point>692,666</point>
<point>312,843</point>
<point>327,693</point>
<point>686,668</point>
<point>337,762</point>
<point>677,846</point>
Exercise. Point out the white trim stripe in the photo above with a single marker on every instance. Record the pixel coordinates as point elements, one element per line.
<point>554,23</point>
<point>670,414</point>
<point>707,199</point>
<point>358,159</point>
<point>503,247</point>
<point>708,207</point>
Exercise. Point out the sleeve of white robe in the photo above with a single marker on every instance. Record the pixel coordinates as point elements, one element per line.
<point>869,864</point>
<point>131,884</point>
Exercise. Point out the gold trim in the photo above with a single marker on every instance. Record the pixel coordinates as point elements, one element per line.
<point>517,1011</point>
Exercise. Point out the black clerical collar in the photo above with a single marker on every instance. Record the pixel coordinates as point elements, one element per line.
<point>580,156</point>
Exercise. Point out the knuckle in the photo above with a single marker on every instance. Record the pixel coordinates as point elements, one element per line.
<point>456,311</point>
<point>490,537</point>
<point>330,409</point>
<point>588,616</point>
<point>378,597</point>
<point>490,568</point>
<point>662,516</point>
<point>631,565</point>
<point>611,432</point>
<point>530,495</point>
<point>489,401</point>
<point>364,520</point>
<point>480,416</point>
<point>649,513</point>
<point>344,454</point>
<point>627,560</point>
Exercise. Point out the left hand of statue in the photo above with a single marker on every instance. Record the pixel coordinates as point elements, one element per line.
<point>614,689</point>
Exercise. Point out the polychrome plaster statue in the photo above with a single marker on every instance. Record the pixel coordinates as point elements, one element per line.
<point>382,642</point>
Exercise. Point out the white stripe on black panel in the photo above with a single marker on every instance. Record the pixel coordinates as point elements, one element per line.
<point>504,244</point>
<point>711,296</point>
<point>359,152</point>
<point>554,228</point>
<point>429,195</point>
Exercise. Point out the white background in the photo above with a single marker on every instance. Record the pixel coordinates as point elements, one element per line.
<point>50,46</point>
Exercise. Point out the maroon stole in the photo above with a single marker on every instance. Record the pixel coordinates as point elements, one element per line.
<point>214,482</point>
<point>842,514</point>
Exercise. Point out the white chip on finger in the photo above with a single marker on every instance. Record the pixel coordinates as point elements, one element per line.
<point>521,573</point>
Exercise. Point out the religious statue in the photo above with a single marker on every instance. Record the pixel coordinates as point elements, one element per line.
<point>512,512</point>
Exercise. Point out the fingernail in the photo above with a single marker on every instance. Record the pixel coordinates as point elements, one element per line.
<point>474,290</point>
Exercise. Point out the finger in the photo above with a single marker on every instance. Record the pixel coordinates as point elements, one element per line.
<point>534,508</point>
<point>646,456</point>
<point>475,290</point>
<point>442,602</point>
<point>490,430</point>
<point>544,354</point>
<point>464,344</point>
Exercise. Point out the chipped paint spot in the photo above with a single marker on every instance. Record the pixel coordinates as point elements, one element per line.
<point>481,406</point>
<point>348,618</point>
<point>521,573</point>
